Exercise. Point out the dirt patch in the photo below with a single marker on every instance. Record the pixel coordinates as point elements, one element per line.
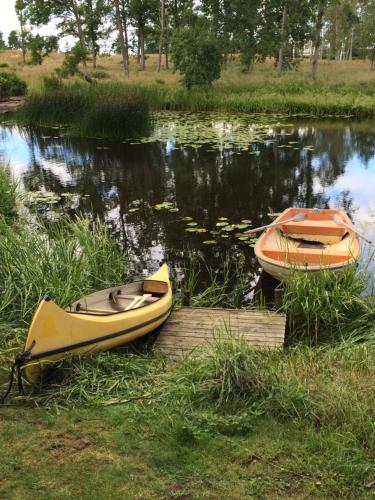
<point>11,104</point>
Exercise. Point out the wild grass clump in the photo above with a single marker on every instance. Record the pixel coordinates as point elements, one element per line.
<point>8,195</point>
<point>324,306</point>
<point>97,110</point>
<point>64,259</point>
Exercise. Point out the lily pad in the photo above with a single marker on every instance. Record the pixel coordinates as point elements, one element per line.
<point>192,224</point>
<point>174,210</point>
<point>187,218</point>
<point>201,230</point>
<point>190,229</point>
<point>221,224</point>
<point>132,210</point>
<point>210,242</point>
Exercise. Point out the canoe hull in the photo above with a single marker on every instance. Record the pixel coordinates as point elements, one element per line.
<point>58,333</point>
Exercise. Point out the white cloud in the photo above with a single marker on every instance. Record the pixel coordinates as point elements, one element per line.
<point>8,17</point>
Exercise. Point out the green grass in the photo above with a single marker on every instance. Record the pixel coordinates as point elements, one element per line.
<point>120,110</point>
<point>234,423</point>
<point>104,111</point>
<point>324,306</point>
<point>8,196</point>
<point>65,259</point>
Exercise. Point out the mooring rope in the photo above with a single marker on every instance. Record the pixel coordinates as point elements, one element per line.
<point>19,360</point>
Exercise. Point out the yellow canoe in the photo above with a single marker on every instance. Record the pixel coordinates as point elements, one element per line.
<point>100,321</point>
<point>315,242</point>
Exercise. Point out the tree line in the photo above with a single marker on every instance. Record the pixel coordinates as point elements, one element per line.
<point>204,33</point>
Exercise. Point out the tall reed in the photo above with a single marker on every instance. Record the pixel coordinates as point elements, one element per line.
<point>65,259</point>
<point>101,110</point>
<point>8,196</point>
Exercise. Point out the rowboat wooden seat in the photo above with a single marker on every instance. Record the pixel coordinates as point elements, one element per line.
<point>312,227</point>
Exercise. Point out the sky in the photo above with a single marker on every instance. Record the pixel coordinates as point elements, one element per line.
<point>8,18</point>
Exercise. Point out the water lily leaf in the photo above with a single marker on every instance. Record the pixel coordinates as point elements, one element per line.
<point>190,229</point>
<point>210,242</point>
<point>241,226</point>
<point>243,238</point>
<point>201,230</point>
<point>187,218</point>
<point>245,221</point>
<point>131,210</point>
<point>192,224</point>
<point>215,233</point>
<point>274,215</point>
<point>223,218</point>
<point>174,209</point>
<point>230,227</point>
<point>221,224</point>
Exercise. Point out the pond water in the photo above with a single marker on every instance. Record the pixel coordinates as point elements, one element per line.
<point>178,190</point>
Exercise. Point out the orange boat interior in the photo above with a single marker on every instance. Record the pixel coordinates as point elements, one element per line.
<point>317,240</point>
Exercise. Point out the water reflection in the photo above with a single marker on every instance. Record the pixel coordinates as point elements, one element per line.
<point>205,183</point>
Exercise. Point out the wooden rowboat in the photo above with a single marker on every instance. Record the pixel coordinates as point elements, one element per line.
<point>99,321</point>
<point>314,240</point>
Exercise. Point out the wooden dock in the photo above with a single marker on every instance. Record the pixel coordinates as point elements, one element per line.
<point>190,329</point>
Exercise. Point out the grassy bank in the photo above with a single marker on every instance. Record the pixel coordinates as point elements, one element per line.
<point>238,423</point>
<point>342,88</point>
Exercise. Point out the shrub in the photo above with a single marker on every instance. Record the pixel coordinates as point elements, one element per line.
<point>4,65</point>
<point>197,55</point>
<point>99,74</point>
<point>11,85</point>
<point>52,82</point>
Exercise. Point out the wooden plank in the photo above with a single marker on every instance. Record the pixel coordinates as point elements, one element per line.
<point>192,330</point>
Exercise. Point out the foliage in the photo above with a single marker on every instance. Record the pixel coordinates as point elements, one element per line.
<point>71,62</point>
<point>105,110</point>
<point>197,55</point>
<point>8,197</point>
<point>321,306</point>
<point>11,85</point>
<point>14,40</point>
<point>65,259</point>
<point>40,47</point>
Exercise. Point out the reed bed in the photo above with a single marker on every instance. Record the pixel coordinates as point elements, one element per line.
<point>97,110</point>
<point>65,259</point>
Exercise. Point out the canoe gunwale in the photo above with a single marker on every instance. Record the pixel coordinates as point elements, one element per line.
<point>112,313</point>
<point>96,340</point>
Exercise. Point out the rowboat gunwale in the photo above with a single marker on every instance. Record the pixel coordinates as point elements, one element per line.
<point>281,269</point>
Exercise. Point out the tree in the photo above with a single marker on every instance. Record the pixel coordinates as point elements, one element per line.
<point>2,41</point>
<point>141,13</point>
<point>197,55</point>
<point>40,47</point>
<point>14,40</point>
<point>367,35</point>
<point>317,36</point>
<point>71,15</point>
<point>94,13</point>
<point>121,17</point>
<point>20,8</point>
